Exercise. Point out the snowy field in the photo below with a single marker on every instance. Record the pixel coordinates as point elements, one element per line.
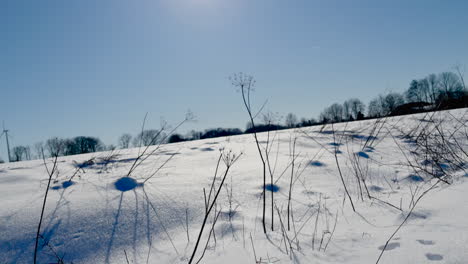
<point>96,214</point>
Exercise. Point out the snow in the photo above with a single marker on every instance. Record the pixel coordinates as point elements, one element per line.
<point>105,216</point>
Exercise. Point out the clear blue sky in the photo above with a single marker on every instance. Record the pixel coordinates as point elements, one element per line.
<point>87,67</point>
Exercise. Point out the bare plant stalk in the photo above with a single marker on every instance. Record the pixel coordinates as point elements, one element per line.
<point>267,156</point>
<point>406,218</point>
<point>126,257</point>
<point>332,232</point>
<point>47,243</point>
<point>285,234</point>
<point>50,173</point>
<point>414,202</point>
<point>291,181</point>
<point>209,235</point>
<point>253,248</point>
<point>160,220</point>
<point>339,169</point>
<point>186,224</point>
<point>229,159</point>
<point>245,83</point>
<point>143,155</point>
<point>243,232</point>
<point>316,221</point>
<point>294,228</point>
<point>214,179</point>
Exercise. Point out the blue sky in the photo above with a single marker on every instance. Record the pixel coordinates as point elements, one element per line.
<point>89,67</point>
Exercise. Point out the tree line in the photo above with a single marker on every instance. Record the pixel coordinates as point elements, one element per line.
<point>58,147</point>
<point>446,90</point>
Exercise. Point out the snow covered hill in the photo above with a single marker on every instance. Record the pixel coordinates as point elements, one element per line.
<point>96,214</point>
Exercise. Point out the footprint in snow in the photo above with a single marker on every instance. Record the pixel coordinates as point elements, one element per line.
<point>425,242</point>
<point>434,257</point>
<point>390,246</point>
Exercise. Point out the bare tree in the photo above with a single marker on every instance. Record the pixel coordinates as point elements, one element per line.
<point>291,120</point>
<point>88,144</point>
<point>433,86</point>
<point>423,88</point>
<point>391,101</point>
<point>149,137</point>
<point>449,82</point>
<point>418,91</point>
<point>307,122</point>
<point>347,110</point>
<point>460,71</point>
<point>124,140</point>
<point>27,153</point>
<point>55,146</point>
<point>412,94</point>
<point>353,107</point>
<point>18,153</point>
<point>38,149</point>
<point>384,105</point>
<point>110,147</point>
<point>375,108</point>
<point>193,135</point>
<point>333,113</point>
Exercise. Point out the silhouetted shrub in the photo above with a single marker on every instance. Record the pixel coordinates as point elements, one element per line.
<point>220,132</point>
<point>82,145</point>
<point>451,100</point>
<point>174,138</point>
<point>264,128</point>
<point>410,108</point>
<point>77,145</point>
<point>360,116</point>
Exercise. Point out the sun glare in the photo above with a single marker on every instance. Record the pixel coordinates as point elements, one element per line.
<point>206,12</point>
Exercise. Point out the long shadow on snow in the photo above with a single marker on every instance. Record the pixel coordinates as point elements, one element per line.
<point>91,163</point>
<point>363,137</point>
<point>337,132</point>
<point>362,154</point>
<point>47,231</point>
<point>317,163</point>
<point>89,234</point>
